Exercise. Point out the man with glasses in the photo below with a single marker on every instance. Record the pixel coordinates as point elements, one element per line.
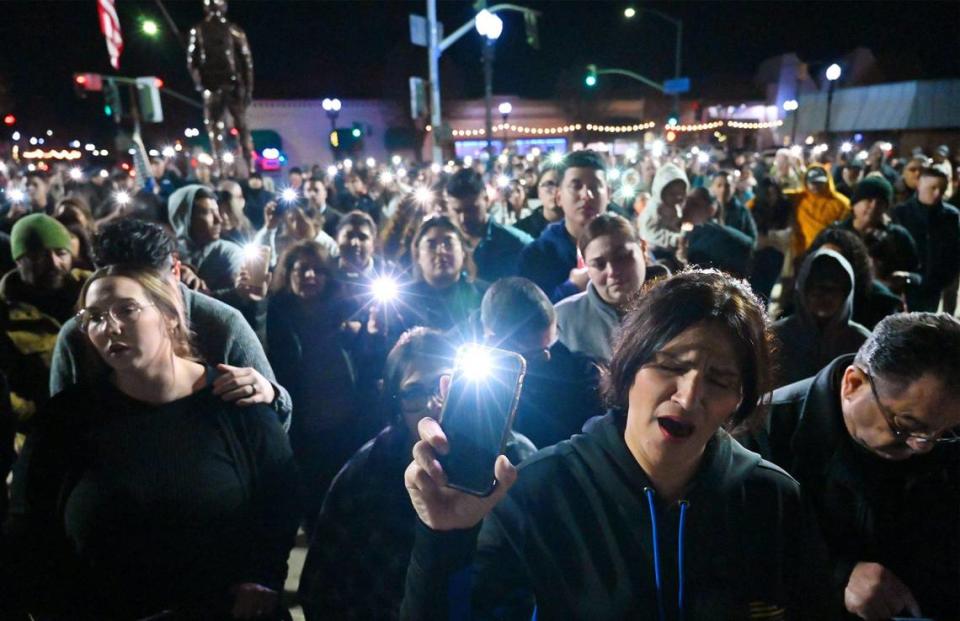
<point>873,440</point>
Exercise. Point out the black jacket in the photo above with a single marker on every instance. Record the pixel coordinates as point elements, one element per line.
<point>575,535</point>
<point>904,515</point>
<point>936,230</point>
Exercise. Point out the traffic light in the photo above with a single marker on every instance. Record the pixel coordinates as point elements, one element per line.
<point>533,33</point>
<point>591,79</point>
<point>148,96</point>
<point>84,83</point>
<point>112,104</point>
<point>9,120</point>
<point>357,130</point>
<point>673,119</point>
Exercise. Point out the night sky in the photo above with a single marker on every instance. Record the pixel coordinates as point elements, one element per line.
<point>362,49</point>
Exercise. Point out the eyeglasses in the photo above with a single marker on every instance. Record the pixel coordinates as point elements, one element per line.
<point>124,313</point>
<point>945,437</point>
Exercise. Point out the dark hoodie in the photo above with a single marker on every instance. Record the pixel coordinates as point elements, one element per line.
<point>583,535</point>
<point>805,347</point>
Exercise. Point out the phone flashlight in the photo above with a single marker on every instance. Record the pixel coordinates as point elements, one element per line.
<point>384,289</point>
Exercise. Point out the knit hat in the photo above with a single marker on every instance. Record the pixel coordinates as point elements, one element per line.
<point>873,187</point>
<point>37,231</point>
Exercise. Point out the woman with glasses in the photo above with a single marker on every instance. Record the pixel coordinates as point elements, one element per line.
<point>319,360</point>
<point>873,440</point>
<point>145,492</point>
<point>654,512</point>
<point>358,559</point>
<point>444,293</point>
<point>548,211</point>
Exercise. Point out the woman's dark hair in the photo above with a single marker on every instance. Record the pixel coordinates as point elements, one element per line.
<point>72,205</point>
<point>669,307</point>
<point>414,344</point>
<point>84,258</point>
<point>607,224</point>
<point>905,346</point>
<point>400,229</point>
<point>770,216</point>
<point>358,219</point>
<point>309,249</point>
<point>135,243</point>
<point>447,224</point>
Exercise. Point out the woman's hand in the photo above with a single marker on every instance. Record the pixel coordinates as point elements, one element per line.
<point>253,601</point>
<point>244,385</point>
<point>271,215</point>
<point>246,289</point>
<point>441,507</point>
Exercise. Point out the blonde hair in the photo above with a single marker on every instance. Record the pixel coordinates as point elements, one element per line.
<point>163,294</point>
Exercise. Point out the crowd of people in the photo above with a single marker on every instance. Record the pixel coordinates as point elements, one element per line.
<point>741,394</point>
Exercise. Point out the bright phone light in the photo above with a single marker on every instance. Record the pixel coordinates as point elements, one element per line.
<point>396,160</point>
<point>16,196</point>
<point>228,158</point>
<point>331,171</point>
<point>846,147</point>
<point>168,152</point>
<point>76,174</point>
<point>288,195</point>
<point>613,174</point>
<point>474,362</point>
<point>503,181</point>
<point>386,177</point>
<point>122,198</point>
<point>703,158</point>
<point>423,195</point>
<point>371,162</point>
<point>555,157</point>
<point>385,289</point>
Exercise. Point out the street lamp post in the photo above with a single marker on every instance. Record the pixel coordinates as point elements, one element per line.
<point>791,105</point>
<point>505,109</point>
<point>833,74</point>
<point>332,108</point>
<point>436,47</point>
<point>490,27</point>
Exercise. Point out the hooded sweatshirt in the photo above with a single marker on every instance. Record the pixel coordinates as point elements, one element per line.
<point>547,261</point>
<point>815,212</point>
<point>805,347</point>
<point>583,535</point>
<point>217,262</point>
<point>652,228</point>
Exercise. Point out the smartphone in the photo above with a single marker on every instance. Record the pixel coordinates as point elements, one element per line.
<point>478,414</point>
<point>257,263</point>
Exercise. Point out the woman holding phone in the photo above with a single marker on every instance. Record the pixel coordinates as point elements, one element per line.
<point>655,512</point>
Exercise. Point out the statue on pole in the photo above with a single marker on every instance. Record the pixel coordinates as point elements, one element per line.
<point>220,62</point>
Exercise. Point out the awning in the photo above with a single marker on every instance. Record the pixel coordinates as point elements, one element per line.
<point>933,104</point>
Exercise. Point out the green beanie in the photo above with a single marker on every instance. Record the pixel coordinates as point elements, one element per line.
<point>873,187</point>
<point>37,231</point>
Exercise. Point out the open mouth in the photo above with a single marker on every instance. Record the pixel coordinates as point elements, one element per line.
<point>674,428</point>
<point>117,348</point>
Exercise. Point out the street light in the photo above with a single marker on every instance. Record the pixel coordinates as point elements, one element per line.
<point>332,108</point>
<point>489,25</point>
<point>629,12</point>
<point>833,74</point>
<point>149,27</point>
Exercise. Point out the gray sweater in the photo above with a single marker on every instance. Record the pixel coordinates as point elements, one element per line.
<point>587,324</point>
<point>221,334</point>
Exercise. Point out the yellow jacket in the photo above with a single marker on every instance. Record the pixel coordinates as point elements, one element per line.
<point>815,212</point>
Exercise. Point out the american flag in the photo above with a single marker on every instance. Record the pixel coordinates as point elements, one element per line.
<point>110,27</point>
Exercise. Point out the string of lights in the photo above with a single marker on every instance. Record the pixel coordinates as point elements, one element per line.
<point>612,129</point>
